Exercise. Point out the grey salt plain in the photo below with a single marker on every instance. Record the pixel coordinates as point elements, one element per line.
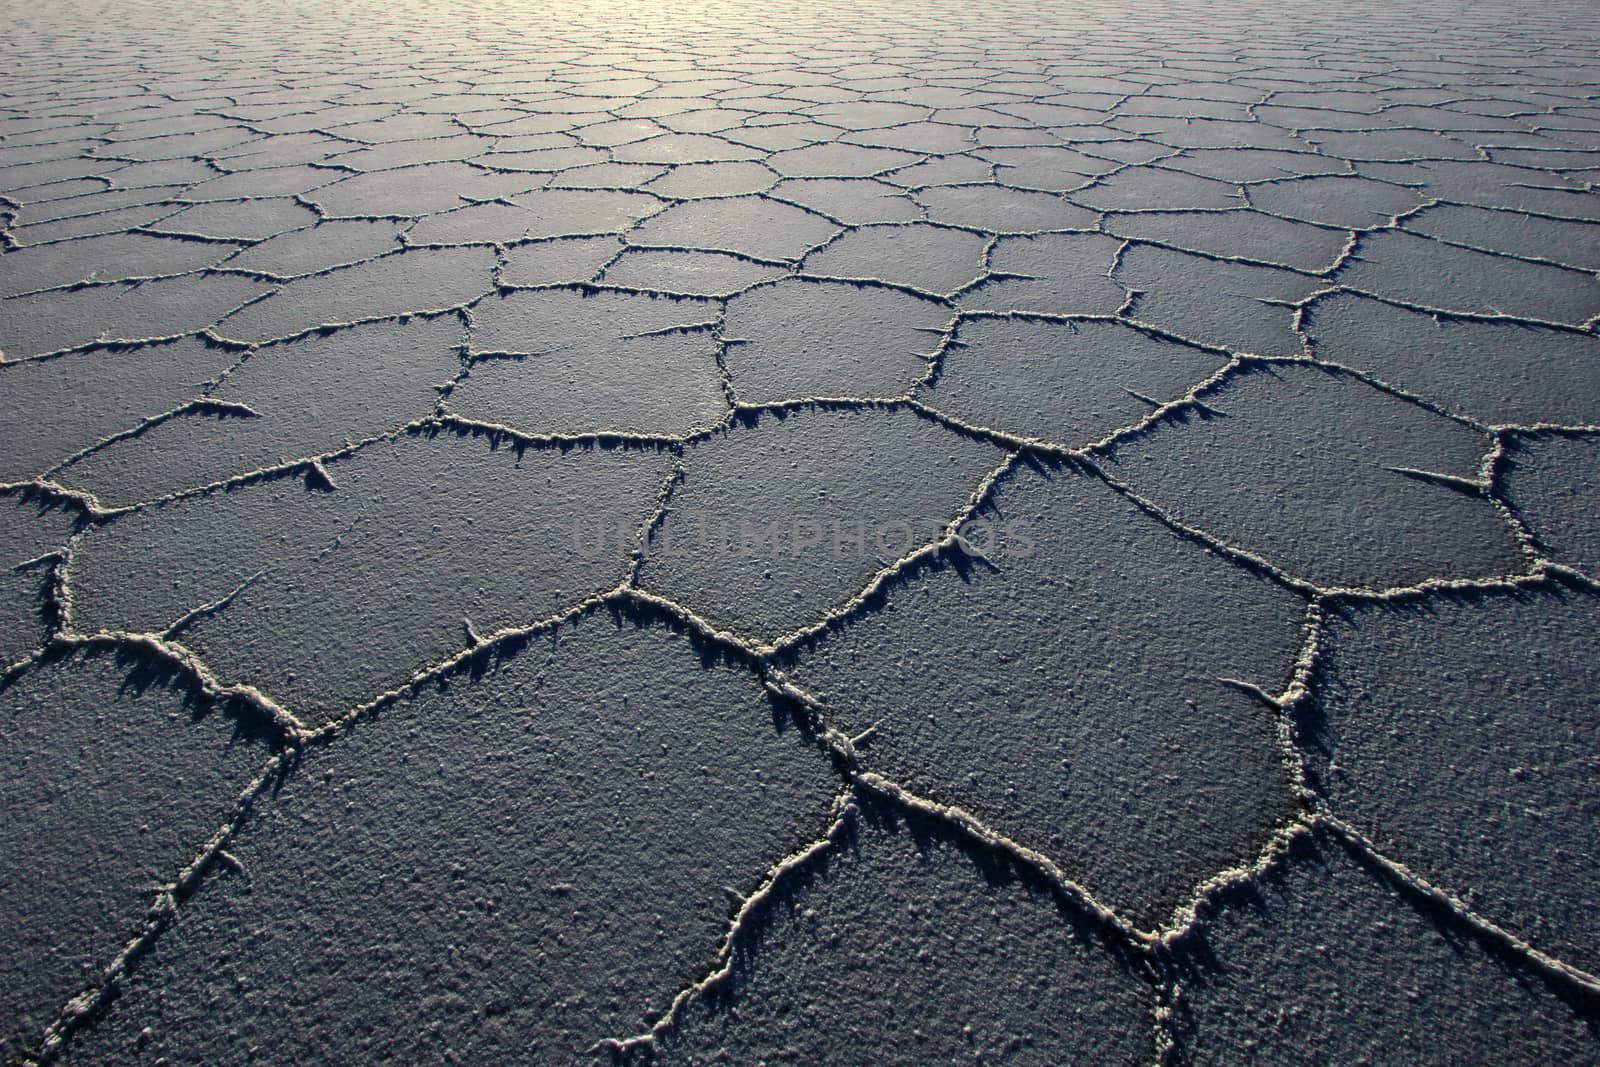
<point>109,391</point>
<point>1553,483</point>
<point>30,531</point>
<point>555,843</point>
<point>781,517</point>
<point>934,259</point>
<point>127,312</point>
<point>113,258</point>
<point>714,274</point>
<point>1327,953</point>
<point>1025,981</point>
<point>1068,383</point>
<point>569,362</point>
<point>1056,274</point>
<point>1284,469</point>
<point>1494,372</point>
<point>331,243</point>
<point>852,201</point>
<point>1459,731</point>
<point>1060,694</point>
<point>1240,233</point>
<point>122,772</point>
<point>415,281</point>
<point>306,397</point>
<point>797,339</point>
<point>1415,270</point>
<point>326,596</point>
<point>1100,702</point>
<point>1239,306</point>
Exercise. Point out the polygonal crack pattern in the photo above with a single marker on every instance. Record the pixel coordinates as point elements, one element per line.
<point>1049,688</point>
<point>1552,480</point>
<point>323,598</point>
<point>1489,789</point>
<point>118,773</point>
<point>1328,949</point>
<point>550,903</point>
<point>834,533</point>
<point>1318,471</point>
<point>869,487</point>
<point>1024,981</point>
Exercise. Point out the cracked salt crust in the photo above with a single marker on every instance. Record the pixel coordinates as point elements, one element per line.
<point>362,394</point>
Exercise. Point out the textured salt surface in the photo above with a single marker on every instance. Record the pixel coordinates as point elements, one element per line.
<point>822,534</point>
<point>119,772</point>
<point>1116,745</point>
<point>1485,790</point>
<point>324,599</point>
<point>1022,981</point>
<point>722,549</point>
<point>1327,956</point>
<point>524,830</point>
<point>1327,477</point>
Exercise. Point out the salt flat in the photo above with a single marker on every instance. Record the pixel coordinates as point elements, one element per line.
<point>834,533</point>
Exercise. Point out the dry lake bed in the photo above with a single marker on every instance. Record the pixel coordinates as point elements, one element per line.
<point>819,533</point>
